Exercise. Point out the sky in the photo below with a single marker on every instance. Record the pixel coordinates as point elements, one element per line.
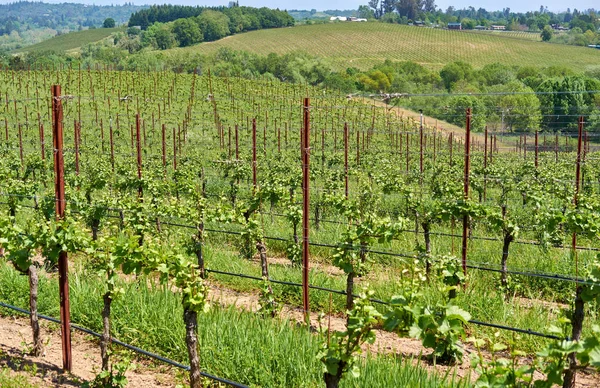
<point>321,5</point>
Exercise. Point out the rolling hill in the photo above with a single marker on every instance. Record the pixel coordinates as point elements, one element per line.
<point>71,41</point>
<point>364,44</point>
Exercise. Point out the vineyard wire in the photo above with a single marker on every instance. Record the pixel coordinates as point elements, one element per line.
<point>128,346</point>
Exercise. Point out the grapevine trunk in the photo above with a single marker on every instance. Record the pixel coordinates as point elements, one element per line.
<point>38,346</point>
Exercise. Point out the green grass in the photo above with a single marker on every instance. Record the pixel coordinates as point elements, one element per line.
<point>364,44</point>
<point>237,345</point>
<point>71,41</point>
<point>8,380</point>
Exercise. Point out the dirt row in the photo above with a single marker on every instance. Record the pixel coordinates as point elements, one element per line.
<point>15,335</point>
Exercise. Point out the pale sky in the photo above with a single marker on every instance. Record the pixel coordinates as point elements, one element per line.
<point>490,5</point>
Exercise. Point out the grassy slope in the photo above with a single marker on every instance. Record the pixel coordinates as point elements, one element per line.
<point>71,40</point>
<point>364,44</point>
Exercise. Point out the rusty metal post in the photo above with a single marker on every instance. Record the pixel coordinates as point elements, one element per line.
<point>305,209</point>
<point>237,143</point>
<point>164,149</point>
<point>139,155</point>
<point>174,148</point>
<point>536,149</point>
<point>21,144</point>
<point>43,146</point>
<point>357,148</point>
<point>279,140</point>
<point>491,151</point>
<point>451,146</point>
<point>485,157</point>
<point>346,159</point>
<point>254,154</point>
<point>586,145</point>
<point>76,143</point>
<point>421,147</point>
<point>228,141</point>
<point>556,148</point>
<point>63,263</point>
<point>578,312</point>
<point>465,240</point>
<point>407,144</point>
<point>102,134</point>
<point>112,145</point>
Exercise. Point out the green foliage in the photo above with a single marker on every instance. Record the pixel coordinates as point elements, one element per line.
<point>108,23</point>
<point>340,353</point>
<point>214,25</point>
<point>449,269</point>
<point>499,371</point>
<point>454,72</point>
<point>186,32</point>
<point>268,306</point>
<point>19,242</point>
<point>547,33</point>
<point>440,328</point>
<point>403,310</point>
<point>113,378</point>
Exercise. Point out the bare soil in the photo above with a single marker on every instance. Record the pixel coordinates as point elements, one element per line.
<point>46,371</point>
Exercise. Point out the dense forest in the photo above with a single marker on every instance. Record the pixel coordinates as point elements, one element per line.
<point>240,18</point>
<point>166,26</point>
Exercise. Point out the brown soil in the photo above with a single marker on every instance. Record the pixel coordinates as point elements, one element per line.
<point>439,125</point>
<point>46,371</point>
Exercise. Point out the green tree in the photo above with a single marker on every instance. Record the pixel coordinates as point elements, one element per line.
<point>109,23</point>
<point>214,25</point>
<point>457,112</point>
<point>365,12</point>
<point>546,33</point>
<point>187,32</point>
<point>523,110</point>
<point>455,72</point>
<point>164,39</point>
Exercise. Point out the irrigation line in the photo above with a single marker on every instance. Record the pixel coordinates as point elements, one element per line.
<point>379,301</point>
<point>128,346</point>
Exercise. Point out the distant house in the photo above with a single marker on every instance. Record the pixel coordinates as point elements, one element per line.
<point>498,28</point>
<point>419,23</point>
<point>480,28</point>
<point>455,26</point>
<point>596,46</point>
<point>558,27</point>
<point>347,19</point>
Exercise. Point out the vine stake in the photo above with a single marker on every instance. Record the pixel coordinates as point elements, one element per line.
<point>305,208</point>
<point>63,263</point>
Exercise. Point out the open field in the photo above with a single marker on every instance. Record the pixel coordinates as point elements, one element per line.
<point>71,41</point>
<point>364,44</point>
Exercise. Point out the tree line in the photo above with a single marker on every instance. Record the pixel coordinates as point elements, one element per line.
<point>166,26</point>
<point>239,18</point>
